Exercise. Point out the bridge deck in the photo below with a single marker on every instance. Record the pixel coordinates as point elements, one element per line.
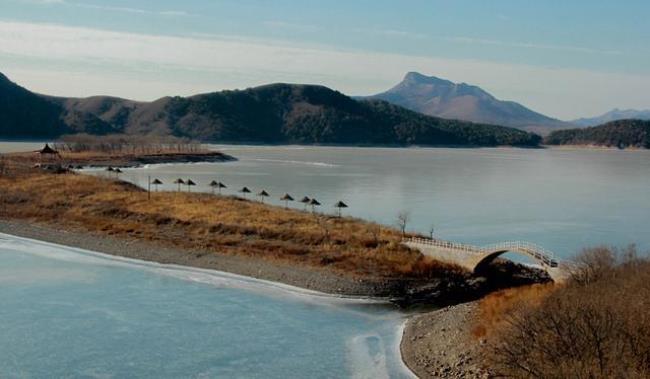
<point>544,256</point>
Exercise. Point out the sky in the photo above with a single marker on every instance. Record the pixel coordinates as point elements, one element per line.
<point>566,59</point>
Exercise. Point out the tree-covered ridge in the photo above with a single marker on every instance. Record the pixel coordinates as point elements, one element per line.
<point>622,134</point>
<point>276,113</point>
<point>283,113</point>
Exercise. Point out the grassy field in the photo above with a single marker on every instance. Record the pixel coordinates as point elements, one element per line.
<point>213,224</point>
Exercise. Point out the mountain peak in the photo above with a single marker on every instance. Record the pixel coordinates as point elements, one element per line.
<point>614,115</point>
<point>417,78</point>
<point>439,97</point>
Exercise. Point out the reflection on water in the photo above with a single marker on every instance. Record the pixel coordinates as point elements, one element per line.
<point>561,199</point>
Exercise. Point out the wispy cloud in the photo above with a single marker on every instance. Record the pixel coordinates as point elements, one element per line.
<point>390,33</point>
<point>532,45</point>
<point>110,8</point>
<point>93,61</point>
<point>276,24</point>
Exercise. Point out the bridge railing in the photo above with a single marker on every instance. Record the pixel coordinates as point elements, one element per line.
<point>528,247</point>
<point>546,257</point>
<point>444,244</point>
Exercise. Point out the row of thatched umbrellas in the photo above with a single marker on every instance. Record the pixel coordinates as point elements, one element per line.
<point>215,185</point>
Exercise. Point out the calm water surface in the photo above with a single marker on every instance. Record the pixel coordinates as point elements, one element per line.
<point>74,314</point>
<point>561,199</point>
<point>71,313</point>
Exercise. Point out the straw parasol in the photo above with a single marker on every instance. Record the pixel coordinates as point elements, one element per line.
<point>305,200</point>
<point>156,183</point>
<point>189,183</point>
<point>213,184</point>
<point>340,205</point>
<point>179,182</point>
<point>286,198</point>
<point>117,172</point>
<point>314,203</point>
<point>245,190</point>
<point>262,194</point>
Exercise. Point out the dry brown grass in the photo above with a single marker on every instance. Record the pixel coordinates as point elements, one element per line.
<point>215,224</point>
<point>494,308</point>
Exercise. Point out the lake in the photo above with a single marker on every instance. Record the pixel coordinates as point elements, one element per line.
<point>563,200</point>
<point>72,313</point>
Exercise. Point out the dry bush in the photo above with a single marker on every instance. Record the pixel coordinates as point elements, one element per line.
<point>494,308</point>
<point>597,326</point>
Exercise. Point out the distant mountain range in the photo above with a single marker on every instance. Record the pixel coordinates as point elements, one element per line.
<point>621,134</point>
<point>276,113</point>
<point>441,98</point>
<point>614,115</point>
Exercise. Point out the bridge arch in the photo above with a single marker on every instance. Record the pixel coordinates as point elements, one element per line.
<point>491,256</point>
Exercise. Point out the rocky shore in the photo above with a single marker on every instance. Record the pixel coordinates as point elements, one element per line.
<point>440,344</point>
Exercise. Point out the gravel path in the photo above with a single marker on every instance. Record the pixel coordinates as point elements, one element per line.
<point>439,344</point>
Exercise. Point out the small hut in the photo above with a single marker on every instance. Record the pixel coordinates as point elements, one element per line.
<point>48,154</point>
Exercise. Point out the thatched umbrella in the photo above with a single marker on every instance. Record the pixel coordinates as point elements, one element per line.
<point>340,205</point>
<point>189,183</point>
<point>156,183</point>
<point>286,198</point>
<point>179,182</point>
<point>110,170</point>
<point>220,186</point>
<point>213,185</point>
<point>117,172</point>
<point>305,200</point>
<point>314,203</point>
<point>262,194</point>
<point>245,190</point>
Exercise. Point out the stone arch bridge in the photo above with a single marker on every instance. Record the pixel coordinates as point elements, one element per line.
<point>474,258</point>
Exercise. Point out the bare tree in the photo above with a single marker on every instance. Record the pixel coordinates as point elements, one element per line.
<point>403,219</point>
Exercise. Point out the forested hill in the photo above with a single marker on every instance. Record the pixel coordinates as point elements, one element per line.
<point>276,113</point>
<point>622,134</point>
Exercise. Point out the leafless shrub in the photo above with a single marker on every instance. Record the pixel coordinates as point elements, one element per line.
<point>597,326</point>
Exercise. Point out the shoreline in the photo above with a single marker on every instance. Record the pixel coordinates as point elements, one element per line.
<point>282,272</point>
<point>440,344</point>
<point>263,286</point>
<point>281,276</point>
